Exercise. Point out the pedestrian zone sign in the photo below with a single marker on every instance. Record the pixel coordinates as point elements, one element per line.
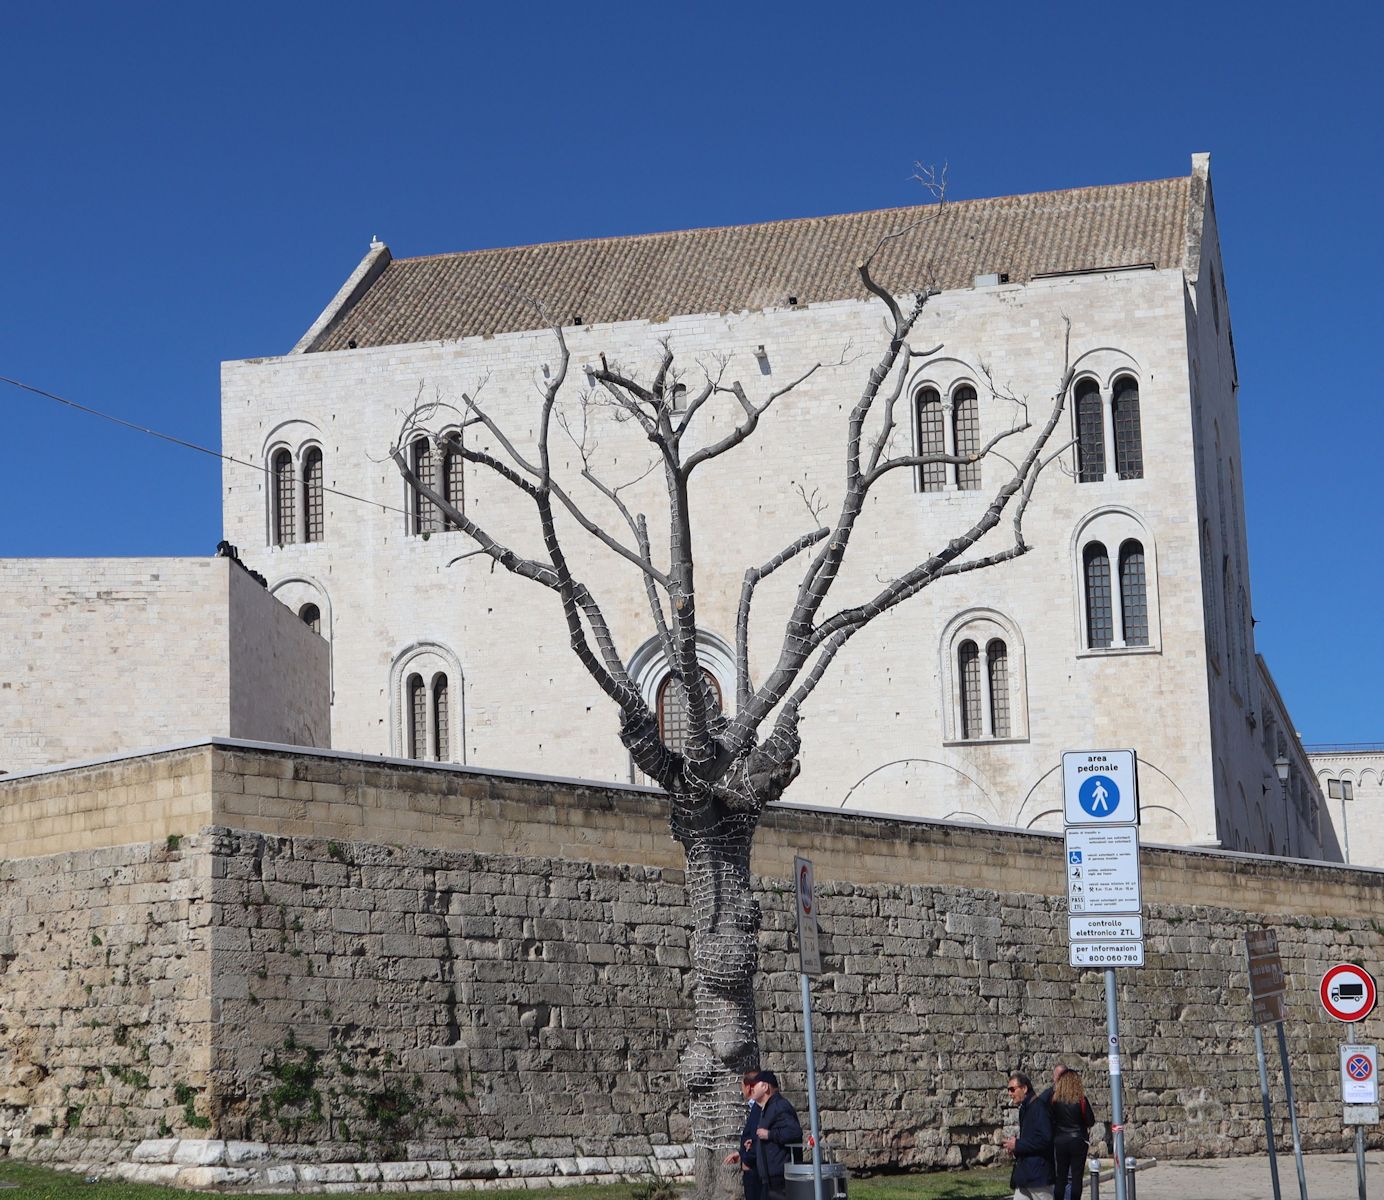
<point>1099,787</point>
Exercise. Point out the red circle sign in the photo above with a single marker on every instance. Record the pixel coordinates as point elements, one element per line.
<point>1348,992</point>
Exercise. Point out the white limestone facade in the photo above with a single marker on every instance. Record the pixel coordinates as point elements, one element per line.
<point>102,656</point>
<point>406,613</point>
<point>1351,780</point>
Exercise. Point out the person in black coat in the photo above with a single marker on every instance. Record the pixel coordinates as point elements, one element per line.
<point>1032,1177</point>
<point>744,1154</point>
<point>778,1128</point>
<point>1072,1119</point>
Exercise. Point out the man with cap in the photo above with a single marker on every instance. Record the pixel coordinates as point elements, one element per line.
<point>745,1154</point>
<point>778,1128</point>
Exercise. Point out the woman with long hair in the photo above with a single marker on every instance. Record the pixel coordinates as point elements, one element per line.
<point>1072,1119</point>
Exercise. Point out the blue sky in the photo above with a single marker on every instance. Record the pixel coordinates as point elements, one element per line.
<point>186,183</point>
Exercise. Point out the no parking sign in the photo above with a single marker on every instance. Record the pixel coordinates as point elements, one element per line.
<point>1359,1075</point>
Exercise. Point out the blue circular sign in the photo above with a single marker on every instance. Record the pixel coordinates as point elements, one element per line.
<point>1099,796</point>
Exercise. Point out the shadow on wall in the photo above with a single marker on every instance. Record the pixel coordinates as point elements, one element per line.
<point>927,788</point>
<point>938,791</point>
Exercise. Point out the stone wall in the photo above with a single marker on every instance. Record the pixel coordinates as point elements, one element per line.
<point>498,988</point>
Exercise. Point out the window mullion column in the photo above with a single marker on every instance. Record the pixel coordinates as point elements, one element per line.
<point>948,445</point>
<point>1117,639</point>
<point>300,501</point>
<point>430,719</point>
<point>1107,412</point>
<point>987,715</point>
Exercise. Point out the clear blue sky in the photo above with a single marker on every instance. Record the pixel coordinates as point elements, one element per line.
<point>187,183</point>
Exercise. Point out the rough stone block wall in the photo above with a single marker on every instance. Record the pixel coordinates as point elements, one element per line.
<point>493,994</point>
<point>105,974</point>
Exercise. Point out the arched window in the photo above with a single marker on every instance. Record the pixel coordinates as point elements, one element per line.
<point>1115,563</point>
<point>1100,620</point>
<point>1208,596</point>
<point>672,709</point>
<point>311,616</point>
<point>453,487</point>
<point>285,514</point>
<point>997,660</point>
<point>312,495</point>
<point>1129,445</point>
<point>426,517</point>
<point>442,750</point>
<point>984,690</point>
<point>1134,596</point>
<point>932,477</point>
<point>427,707</point>
<point>417,717</point>
<point>968,673</point>
<point>1232,635</point>
<point>966,428</point>
<point>1090,433</point>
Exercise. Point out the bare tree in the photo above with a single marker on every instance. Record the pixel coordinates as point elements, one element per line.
<point>732,763</point>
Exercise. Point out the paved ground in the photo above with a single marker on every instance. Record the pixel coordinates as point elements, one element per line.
<point>1329,1177</point>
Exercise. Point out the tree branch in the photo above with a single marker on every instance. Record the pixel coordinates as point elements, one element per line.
<point>742,621</point>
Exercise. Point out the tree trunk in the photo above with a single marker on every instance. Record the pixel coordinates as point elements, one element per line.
<point>725,957</point>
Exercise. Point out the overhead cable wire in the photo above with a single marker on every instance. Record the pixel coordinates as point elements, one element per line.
<point>177,441</point>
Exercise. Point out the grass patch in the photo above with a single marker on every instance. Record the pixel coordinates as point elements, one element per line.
<point>39,1183</point>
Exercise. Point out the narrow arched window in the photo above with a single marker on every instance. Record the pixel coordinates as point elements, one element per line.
<point>453,487</point>
<point>932,477</point>
<point>426,517</point>
<point>968,673</point>
<point>997,663</point>
<point>1134,594</point>
<point>442,741</point>
<point>966,428</point>
<point>312,495</point>
<point>1232,657</point>
<point>1129,444</point>
<point>285,514</point>
<point>1090,433</point>
<point>417,695</point>
<point>1100,621</point>
<point>672,710</point>
<point>1208,595</point>
<point>311,616</point>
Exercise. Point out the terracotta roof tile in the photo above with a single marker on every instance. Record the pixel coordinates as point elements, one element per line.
<point>656,276</point>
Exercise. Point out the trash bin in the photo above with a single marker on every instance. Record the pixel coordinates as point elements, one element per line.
<point>800,1184</point>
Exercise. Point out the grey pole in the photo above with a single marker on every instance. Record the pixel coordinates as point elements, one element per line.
<point>1360,1159</point>
<point>1112,1025</point>
<point>1268,1108</point>
<point>1292,1110</point>
<point>812,1089</point>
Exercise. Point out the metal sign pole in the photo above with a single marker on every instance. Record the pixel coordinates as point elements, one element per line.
<point>812,1089</point>
<point>1112,1023</point>
<point>809,964</point>
<point>1292,1110</point>
<point>1360,1159</point>
<point>1268,1108</point>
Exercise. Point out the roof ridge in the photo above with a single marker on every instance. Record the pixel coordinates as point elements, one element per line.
<point>780,221</point>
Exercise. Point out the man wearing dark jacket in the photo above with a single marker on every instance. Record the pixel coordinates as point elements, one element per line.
<point>1033,1176</point>
<point>744,1155</point>
<point>778,1129</point>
